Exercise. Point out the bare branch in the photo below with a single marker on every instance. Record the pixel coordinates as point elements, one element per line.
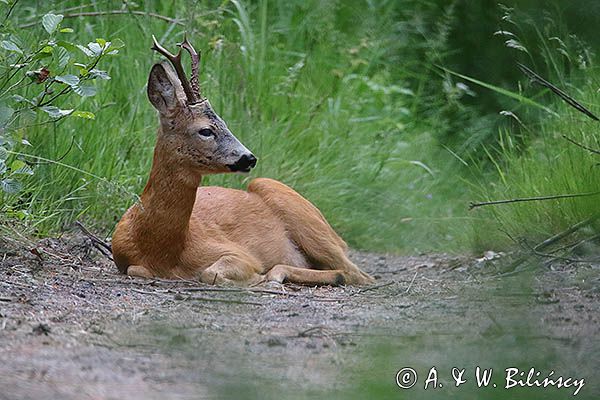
<point>581,145</point>
<point>473,205</point>
<point>568,99</point>
<point>113,12</point>
<point>559,236</point>
<point>98,243</point>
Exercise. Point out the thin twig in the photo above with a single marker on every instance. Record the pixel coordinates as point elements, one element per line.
<point>473,205</point>
<point>374,287</point>
<point>317,331</point>
<point>240,290</point>
<point>10,10</point>
<point>581,145</point>
<point>559,236</point>
<point>96,241</point>
<point>567,259</point>
<point>113,12</point>
<point>411,282</point>
<point>565,97</point>
<point>575,245</point>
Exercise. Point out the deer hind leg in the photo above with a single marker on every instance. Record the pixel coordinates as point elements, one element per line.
<point>309,230</point>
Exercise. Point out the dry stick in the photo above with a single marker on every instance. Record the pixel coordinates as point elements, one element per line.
<point>113,12</point>
<point>10,11</point>
<point>241,290</point>
<point>411,282</point>
<point>473,205</point>
<point>98,243</point>
<point>568,99</point>
<point>375,287</point>
<point>92,236</point>
<point>567,259</point>
<point>581,145</point>
<point>576,244</point>
<point>559,236</point>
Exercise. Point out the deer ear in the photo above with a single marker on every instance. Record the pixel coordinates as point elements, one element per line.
<point>164,89</point>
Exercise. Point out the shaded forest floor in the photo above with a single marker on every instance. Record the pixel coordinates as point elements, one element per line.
<point>71,327</point>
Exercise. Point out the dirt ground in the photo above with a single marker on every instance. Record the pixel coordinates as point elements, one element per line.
<point>71,327</point>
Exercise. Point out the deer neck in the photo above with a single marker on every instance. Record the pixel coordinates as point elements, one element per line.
<point>166,204</point>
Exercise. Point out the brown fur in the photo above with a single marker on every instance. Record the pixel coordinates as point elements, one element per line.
<point>181,231</point>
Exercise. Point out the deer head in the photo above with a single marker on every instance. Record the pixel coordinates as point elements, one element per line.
<point>192,135</point>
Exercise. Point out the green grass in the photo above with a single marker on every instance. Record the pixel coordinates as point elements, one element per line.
<point>341,100</point>
<point>315,89</point>
<point>545,165</point>
<point>535,158</point>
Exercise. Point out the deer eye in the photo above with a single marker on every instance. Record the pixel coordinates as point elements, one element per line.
<point>206,133</point>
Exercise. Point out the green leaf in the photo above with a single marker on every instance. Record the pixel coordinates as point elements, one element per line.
<point>63,57</point>
<point>41,55</point>
<point>47,49</point>
<point>10,186</point>
<point>2,167</point>
<point>3,153</point>
<point>55,112</point>
<point>27,116</point>
<point>5,114</point>
<point>116,44</point>
<point>66,30</point>
<point>10,46</point>
<point>20,214</point>
<point>20,99</point>
<point>67,45</point>
<point>87,51</point>
<point>82,69</point>
<point>70,80</point>
<point>84,114</point>
<point>51,22</point>
<point>97,73</point>
<point>17,164</point>
<point>85,90</point>
<point>101,42</point>
<point>19,167</point>
<point>95,48</point>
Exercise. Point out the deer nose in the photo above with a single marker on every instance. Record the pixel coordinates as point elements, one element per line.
<point>244,164</point>
<point>251,160</point>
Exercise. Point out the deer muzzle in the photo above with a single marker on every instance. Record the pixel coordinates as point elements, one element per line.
<point>244,164</point>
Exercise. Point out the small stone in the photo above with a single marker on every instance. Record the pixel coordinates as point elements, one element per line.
<point>41,329</point>
<point>275,341</point>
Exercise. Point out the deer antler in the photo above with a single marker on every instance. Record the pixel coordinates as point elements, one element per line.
<point>190,93</point>
<point>194,80</point>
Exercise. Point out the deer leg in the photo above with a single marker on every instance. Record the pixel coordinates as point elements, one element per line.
<point>308,229</point>
<point>286,273</point>
<point>232,271</point>
<point>140,271</point>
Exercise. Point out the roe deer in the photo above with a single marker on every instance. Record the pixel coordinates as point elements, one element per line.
<point>214,234</point>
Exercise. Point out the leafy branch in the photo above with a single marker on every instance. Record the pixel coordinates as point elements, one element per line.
<point>60,67</point>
